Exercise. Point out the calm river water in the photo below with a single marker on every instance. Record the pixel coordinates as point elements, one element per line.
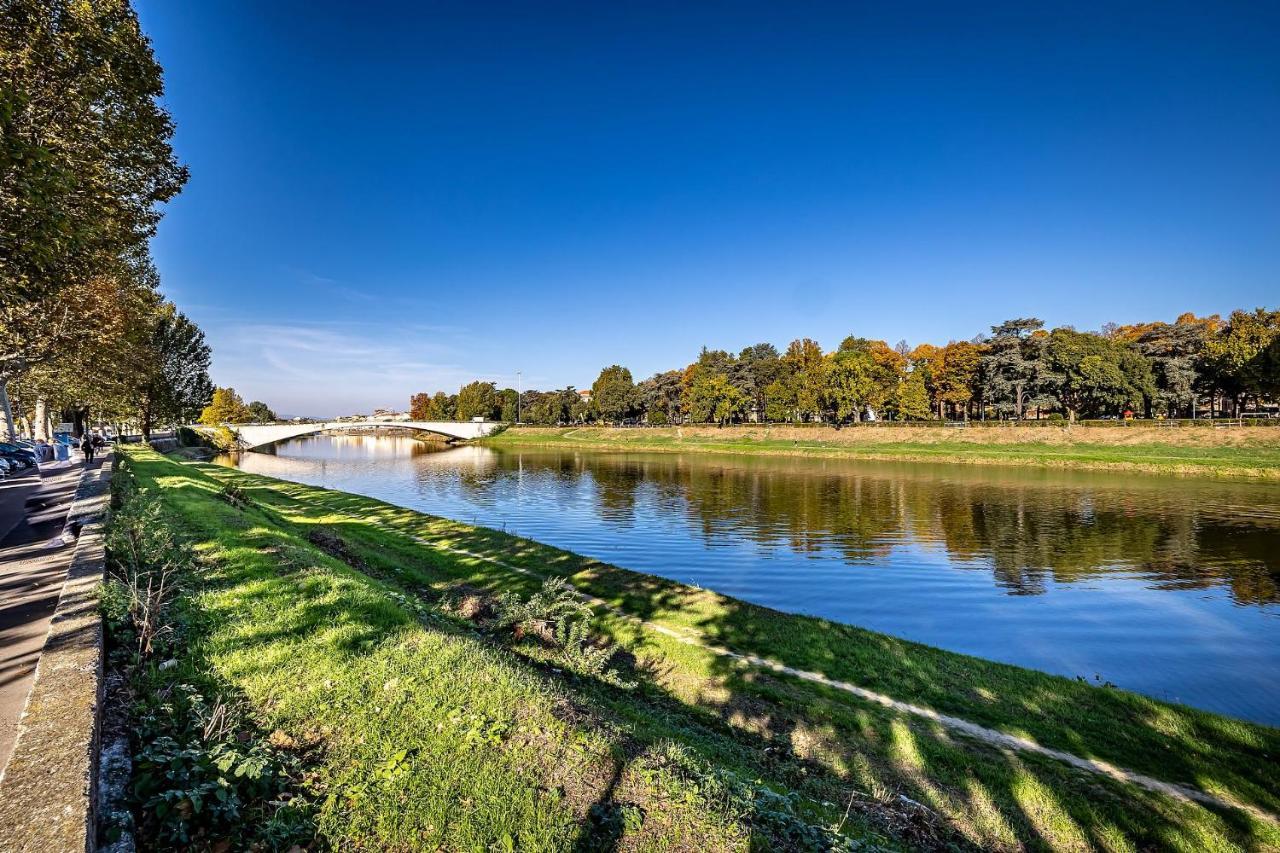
<point>1166,586</point>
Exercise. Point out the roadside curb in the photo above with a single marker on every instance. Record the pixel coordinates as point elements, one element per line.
<point>47,799</point>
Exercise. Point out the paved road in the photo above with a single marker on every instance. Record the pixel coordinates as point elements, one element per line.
<point>33,566</point>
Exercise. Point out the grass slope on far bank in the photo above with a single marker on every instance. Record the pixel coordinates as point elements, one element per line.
<point>297,635</point>
<point>1248,451</point>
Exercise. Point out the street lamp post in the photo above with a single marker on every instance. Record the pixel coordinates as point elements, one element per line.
<point>519,393</point>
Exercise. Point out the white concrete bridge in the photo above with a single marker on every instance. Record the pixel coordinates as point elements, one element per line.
<point>260,435</point>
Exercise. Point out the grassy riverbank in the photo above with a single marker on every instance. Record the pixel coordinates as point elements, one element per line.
<point>360,626</point>
<point>1249,451</point>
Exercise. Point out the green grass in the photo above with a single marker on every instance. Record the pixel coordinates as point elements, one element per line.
<point>435,737</point>
<point>1193,450</point>
<point>319,646</point>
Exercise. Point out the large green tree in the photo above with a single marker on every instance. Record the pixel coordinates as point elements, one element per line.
<point>260,412</point>
<point>660,397</point>
<point>175,384</point>
<point>1008,366</point>
<point>85,160</point>
<point>712,398</point>
<point>1098,374</point>
<point>477,400</point>
<point>849,384</point>
<point>613,394</point>
<point>1241,358</point>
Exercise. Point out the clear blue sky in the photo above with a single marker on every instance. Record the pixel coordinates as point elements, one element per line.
<point>387,198</point>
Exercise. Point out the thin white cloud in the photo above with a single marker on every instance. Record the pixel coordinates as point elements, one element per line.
<point>331,368</point>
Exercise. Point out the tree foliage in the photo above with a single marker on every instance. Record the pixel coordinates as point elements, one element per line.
<point>613,394</point>
<point>260,412</point>
<point>1019,370</point>
<point>85,163</point>
<point>477,400</point>
<point>226,407</point>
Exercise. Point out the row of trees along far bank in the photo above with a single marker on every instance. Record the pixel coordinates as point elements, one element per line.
<point>85,163</point>
<point>1188,368</point>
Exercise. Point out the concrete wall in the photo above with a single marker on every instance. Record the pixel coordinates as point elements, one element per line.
<point>47,793</point>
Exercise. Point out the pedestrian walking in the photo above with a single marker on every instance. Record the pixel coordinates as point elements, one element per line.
<point>86,447</point>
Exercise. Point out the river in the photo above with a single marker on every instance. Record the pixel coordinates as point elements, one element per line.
<point>1162,585</point>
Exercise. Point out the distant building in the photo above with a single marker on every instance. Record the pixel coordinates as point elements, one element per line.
<point>585,394</point>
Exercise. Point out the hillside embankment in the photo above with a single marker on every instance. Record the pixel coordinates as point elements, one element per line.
<point>1249,450</point>
<point>421,683</point>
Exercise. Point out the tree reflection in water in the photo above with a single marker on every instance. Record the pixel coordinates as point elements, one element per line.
<point>1163,585</point>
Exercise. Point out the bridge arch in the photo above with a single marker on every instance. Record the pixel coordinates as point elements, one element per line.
<point>251,436</point>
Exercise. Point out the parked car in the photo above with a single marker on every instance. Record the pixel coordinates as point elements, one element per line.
<point>5,468</point>
<point>21,458</point>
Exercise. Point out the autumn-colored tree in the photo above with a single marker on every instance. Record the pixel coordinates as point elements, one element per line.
<point>806,379</point>
<point>226,407</point>
<point>954,371</point>
<point>912,403</point>
<point>419,406</point>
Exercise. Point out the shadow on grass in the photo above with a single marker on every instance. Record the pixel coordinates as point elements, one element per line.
<point>836,748</point>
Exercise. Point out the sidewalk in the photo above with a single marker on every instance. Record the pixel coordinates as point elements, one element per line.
<point>33,566</point>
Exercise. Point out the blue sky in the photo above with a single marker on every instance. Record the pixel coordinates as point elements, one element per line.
<point>388,198</point>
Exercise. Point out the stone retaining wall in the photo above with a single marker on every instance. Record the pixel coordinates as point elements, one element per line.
<point>47,793</point>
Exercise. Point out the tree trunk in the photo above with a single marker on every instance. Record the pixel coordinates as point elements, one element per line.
<point>42,427</point>
<point>6,412</point>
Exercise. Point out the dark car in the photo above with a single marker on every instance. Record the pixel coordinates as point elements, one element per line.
<point>20,454</point>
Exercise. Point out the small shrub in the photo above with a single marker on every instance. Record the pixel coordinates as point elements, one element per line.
<point>145,557</point>
<point>538,614</point>
<point>559,618</point>
<point>236,496</point>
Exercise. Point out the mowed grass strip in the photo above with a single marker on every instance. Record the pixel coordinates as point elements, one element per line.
<point>990,798</point>
<point>432,736</point>
<point>1252,451</point>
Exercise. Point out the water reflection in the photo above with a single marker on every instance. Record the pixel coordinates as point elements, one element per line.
<point>1160,584</point>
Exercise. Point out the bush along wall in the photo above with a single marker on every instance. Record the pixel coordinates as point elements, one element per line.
<point>184,761</point>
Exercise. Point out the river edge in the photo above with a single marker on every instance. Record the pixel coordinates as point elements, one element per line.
<point>1248,453</point>
<point>828,729</point>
